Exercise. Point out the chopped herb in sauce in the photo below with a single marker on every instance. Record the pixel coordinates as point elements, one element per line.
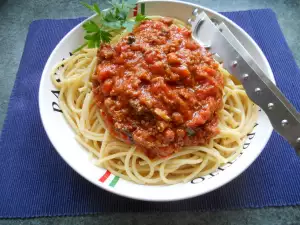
<point>190,132</point>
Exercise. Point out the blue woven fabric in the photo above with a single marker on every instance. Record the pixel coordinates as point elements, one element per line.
<point>35,181</point>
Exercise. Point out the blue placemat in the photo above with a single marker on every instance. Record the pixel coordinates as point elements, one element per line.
<point>35,181</point>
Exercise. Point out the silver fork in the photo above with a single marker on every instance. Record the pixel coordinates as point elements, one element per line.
<point>218,39</point>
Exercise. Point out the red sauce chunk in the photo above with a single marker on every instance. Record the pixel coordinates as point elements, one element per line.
<point>158,89</point>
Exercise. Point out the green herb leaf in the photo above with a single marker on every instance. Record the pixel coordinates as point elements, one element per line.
<point>110,16</point>
<point>122,13</point>
<point>90,27</point>
<point>97,9</point>
<point>112,24</point>
<point>114,19</point>
<point>128,25</point>
<point>114,2</point>
<point>93,8</point>
<point>91,43</point>
<point>87,5</point>
<point>131,4</point>
<point>139,18</point>
<point>79,48</point>
<point>89,37</point>
<point>105,36</point>
<point>190,132</point>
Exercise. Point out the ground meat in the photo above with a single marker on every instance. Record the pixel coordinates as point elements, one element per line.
<point>159,89</point>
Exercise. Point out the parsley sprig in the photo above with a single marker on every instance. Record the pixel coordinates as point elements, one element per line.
<point>95,35</point>
<point>114,20</point>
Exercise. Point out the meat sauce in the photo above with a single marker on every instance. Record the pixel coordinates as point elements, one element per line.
<point>158,89</point>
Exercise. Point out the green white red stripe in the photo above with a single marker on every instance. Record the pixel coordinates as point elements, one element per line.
<point>106,176</point>
<point>143,8</point>
<point>114,181</point>
<point>136,9</point>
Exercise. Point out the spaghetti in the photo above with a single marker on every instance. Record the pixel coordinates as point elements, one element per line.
<point>236,118</point>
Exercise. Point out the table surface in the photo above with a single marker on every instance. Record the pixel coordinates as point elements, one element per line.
<point>15,17</point>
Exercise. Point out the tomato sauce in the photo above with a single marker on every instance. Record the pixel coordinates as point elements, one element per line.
<point>158,89</point>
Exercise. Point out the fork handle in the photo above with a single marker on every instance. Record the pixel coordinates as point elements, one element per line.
<point>283,116</point>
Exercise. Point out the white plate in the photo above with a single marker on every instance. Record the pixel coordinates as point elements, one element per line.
<point>62,136</point>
